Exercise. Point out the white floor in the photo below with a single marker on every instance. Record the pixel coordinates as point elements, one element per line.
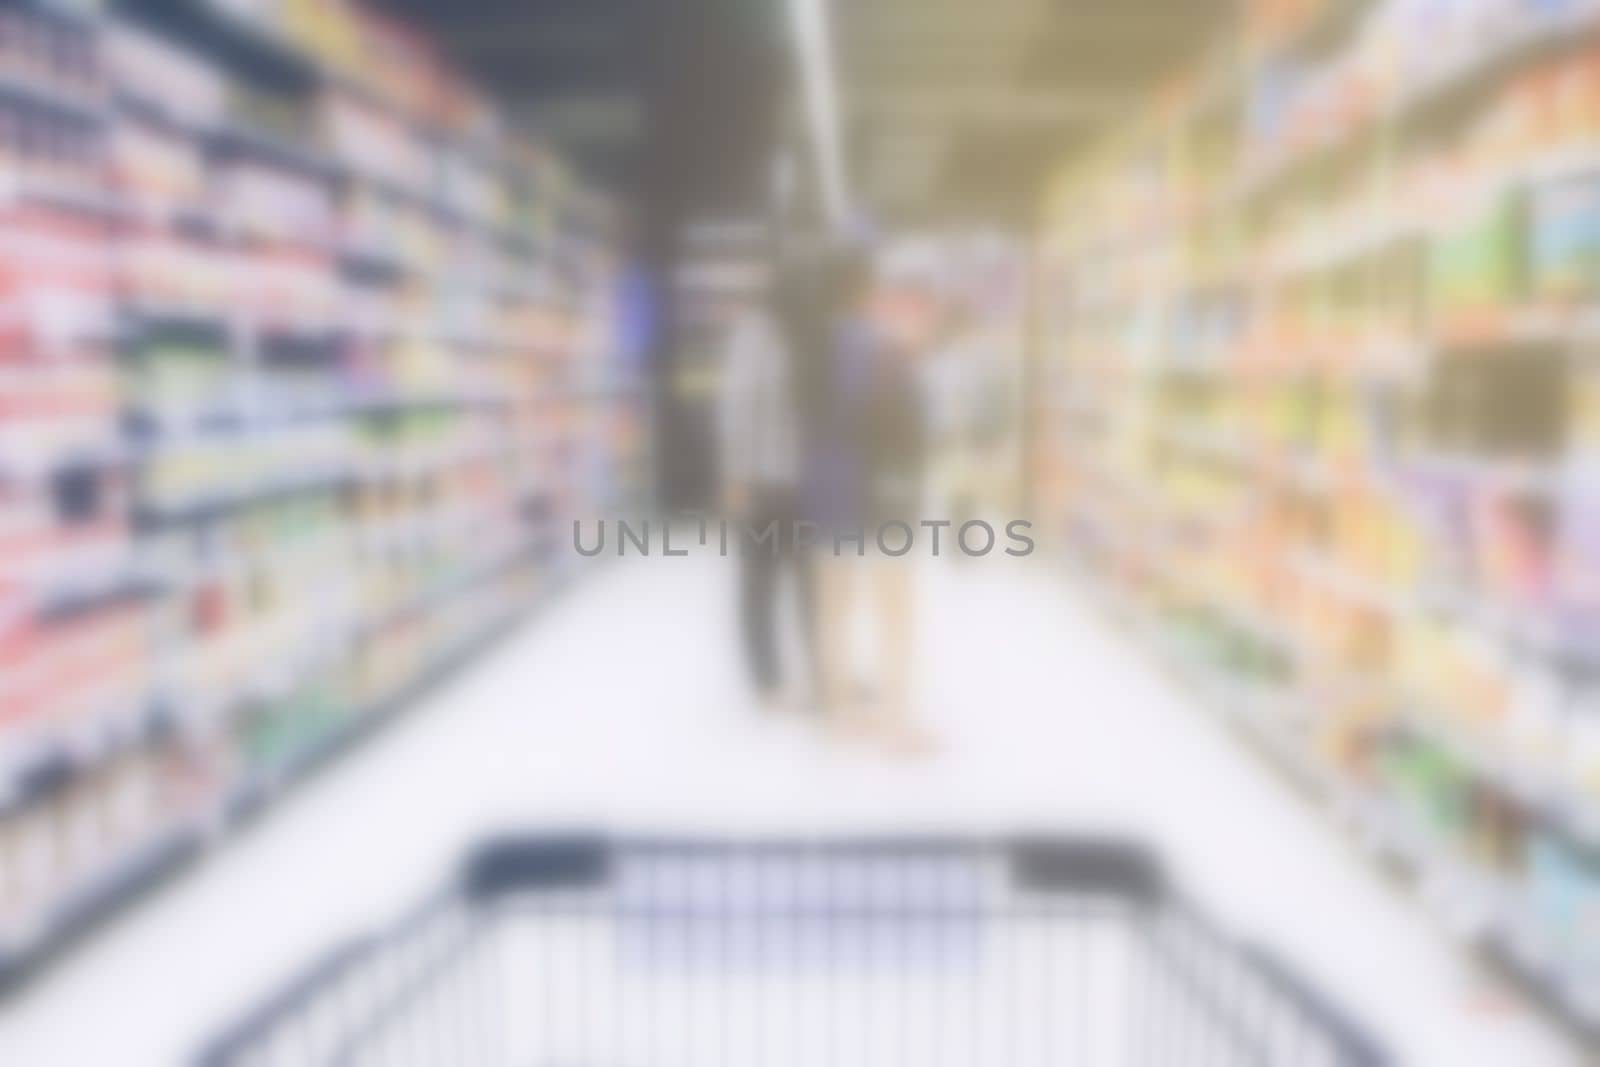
<point>622,707</point>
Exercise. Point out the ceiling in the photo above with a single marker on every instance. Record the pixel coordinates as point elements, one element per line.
<point>951,108</point>
<point>960,106</point>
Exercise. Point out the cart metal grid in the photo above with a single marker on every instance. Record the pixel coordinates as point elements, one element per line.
<point>593,952</point>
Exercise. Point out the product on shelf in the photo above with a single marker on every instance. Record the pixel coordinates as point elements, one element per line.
<point>286,360</point>
<point>1321,410</point>
<point>175,83</point>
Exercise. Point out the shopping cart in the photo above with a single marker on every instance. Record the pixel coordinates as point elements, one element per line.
<point>590,952</point>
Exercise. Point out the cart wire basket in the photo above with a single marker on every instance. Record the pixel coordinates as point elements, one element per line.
<point>588,951</point>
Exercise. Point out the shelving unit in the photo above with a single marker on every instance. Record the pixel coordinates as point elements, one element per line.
<point>299,372</point>
<point>1320,405</point>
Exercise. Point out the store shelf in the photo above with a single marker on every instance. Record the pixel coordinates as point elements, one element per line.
<point>246,419</point>
<point>1535,36</point>
<point>252,795</point>
<point>45,97</point>
<point>238,140</point>
<point>311,379</point>
<point>123,878</point>
<point>121,881</point>
<point>1374,245</point>
<point>1483,910</point>
<point>67,599</point>
<point>231,36</point>
<point>210,507</point>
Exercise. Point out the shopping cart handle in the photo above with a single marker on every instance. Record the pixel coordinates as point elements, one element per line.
<point>585,861</point>
<point>566,861</point>
<point>1088,866</point>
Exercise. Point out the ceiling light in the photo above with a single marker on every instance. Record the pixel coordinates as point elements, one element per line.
<point>811,28</point>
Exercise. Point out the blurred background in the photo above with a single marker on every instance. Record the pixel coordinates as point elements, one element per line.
<point>333,331</point>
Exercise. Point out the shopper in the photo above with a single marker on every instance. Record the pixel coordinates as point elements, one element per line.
<point>761,450</point>
<point>868,471</point>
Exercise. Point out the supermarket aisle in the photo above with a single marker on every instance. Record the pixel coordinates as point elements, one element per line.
<point>1049,719</point>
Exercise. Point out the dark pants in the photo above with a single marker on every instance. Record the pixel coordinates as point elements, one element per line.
<point>761,570</point>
